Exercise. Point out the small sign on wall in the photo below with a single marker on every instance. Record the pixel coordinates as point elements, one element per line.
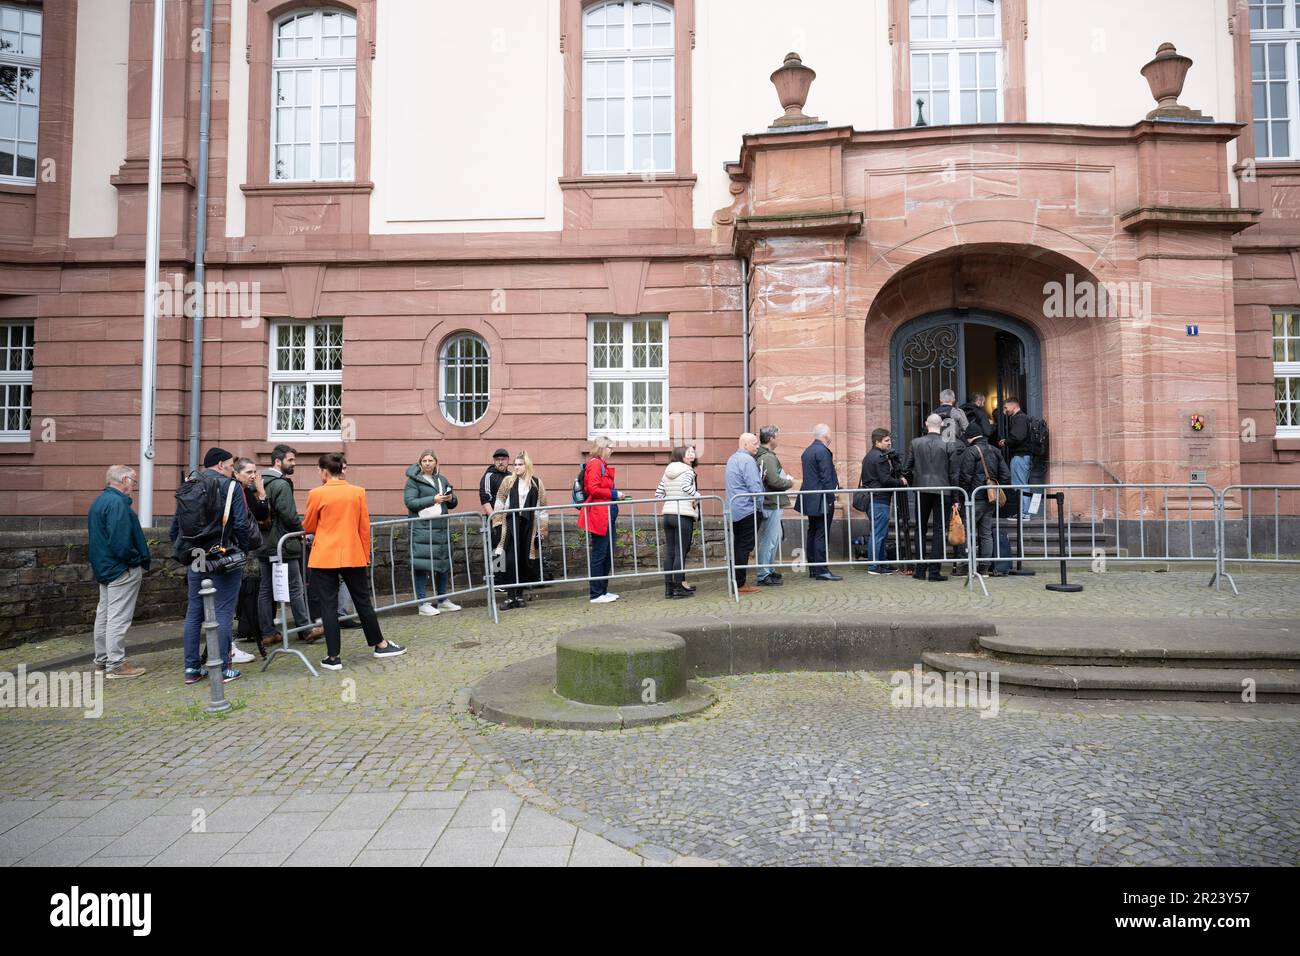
<point>1198,477</point>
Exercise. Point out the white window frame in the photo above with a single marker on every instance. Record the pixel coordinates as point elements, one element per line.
<point>629,55</point>
<point>629,376</point>
<point>954,46</point>
<point>21,61</point>
<point>1286,369</point>
<point>1288,35</point>
<point>18,378</point>
<point>486,363</point>
<point>318,66</point>
<point>308,376</point>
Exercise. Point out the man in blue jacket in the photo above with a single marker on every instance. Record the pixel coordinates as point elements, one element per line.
<point>743,482</point>
<point>818,475</point>
<point>119,556</point>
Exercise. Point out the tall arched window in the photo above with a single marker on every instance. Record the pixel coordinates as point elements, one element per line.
<point>464,366</point>
<point>956,50</point>
<point>313,77</point>
<point>627,84</point>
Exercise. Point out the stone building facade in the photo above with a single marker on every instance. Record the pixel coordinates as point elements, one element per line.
<point>526,224</point>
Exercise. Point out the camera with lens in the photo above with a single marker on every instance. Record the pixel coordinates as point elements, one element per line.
<point>895,465</point>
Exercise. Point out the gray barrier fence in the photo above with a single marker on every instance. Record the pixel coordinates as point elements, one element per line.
<point>850,539</point>
<point>1096,523</point>
<point>638,543</point>
<point>1261,533</point>
<point>1102,524</point>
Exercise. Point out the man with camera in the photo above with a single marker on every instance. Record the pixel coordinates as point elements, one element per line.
<point>881,469</point>
<point>212,533</point>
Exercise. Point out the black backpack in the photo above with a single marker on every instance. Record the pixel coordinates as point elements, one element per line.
<point>579,489</point>
<point>1039,439</point>
<point>199,507</point>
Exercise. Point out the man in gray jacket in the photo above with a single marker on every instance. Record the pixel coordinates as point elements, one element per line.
<point>775,480</point>
<point>931,462</point>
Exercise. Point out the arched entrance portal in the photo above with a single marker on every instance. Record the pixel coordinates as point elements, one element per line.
<point>968,351</point>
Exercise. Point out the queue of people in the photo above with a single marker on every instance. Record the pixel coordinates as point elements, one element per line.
<point>228,513</point>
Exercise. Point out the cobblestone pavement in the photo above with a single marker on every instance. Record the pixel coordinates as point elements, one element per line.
<point>786,768</point>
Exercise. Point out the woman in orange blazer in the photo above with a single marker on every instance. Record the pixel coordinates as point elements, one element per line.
<point>338,518</point>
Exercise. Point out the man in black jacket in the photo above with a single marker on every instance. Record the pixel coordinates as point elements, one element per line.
<point>876,473</point>
<point>488,486</point>
<point>1016,448</point>
<point>977,411</point>
<point>931,461</point>
<point>982,464</point>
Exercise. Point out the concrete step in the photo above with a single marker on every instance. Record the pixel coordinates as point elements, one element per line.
<point>1271,685</point>
<point>1203,644</point>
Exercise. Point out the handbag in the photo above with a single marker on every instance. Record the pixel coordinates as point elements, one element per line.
<point>995,493</point>
<point>862,501</point>
<point>956,528</point>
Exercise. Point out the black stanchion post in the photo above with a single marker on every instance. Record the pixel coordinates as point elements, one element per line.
<point>1064,586</point>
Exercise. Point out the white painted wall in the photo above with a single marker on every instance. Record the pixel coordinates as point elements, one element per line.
<point>738,45</point>
<point>468,117</point>
<point>99,117</point>
<point>1083,60</point>
<point>237,152</point>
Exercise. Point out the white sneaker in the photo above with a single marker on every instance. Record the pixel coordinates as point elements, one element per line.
<point>240,657</point>
<point>448,606</point>
<point>428,610</point>
<point>605,599</point>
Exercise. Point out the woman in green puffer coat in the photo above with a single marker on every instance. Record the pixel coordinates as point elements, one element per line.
<point>427,495</point>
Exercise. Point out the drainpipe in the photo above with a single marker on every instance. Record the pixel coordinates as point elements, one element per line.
<point>201,236</point>
<point>149,344</point>
<point>744,334</point>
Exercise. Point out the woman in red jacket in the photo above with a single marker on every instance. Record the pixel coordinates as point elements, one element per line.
<point>598,486</point>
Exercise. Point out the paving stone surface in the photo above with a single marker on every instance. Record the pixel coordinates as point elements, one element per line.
<point>380,764</point>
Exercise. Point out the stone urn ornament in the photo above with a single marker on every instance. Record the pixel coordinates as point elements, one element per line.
<point>1166,74</point>
<point>792,81</point>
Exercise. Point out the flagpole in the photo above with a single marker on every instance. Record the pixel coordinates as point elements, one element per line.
<point>149,359</point>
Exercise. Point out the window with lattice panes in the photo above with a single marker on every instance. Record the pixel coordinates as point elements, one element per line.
<point>955,51</point>
<point>627,378</point>
<point>1286,371</point>
<point>1274,88</point>
<point>306,380</point>
<point>466,365</point>
<point>16,355</point>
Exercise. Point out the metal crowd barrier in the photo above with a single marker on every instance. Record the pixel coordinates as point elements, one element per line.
<point>1135,523</point>
<point>639,520</point>
<point>460,559</point>
<point>1248,539</point>
<point>908,551</point>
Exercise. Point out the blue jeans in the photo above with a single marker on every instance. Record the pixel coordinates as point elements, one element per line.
<point>769,542</point>
<point>1020,478</point>
<point>223,602</point>
<point>879,531</point>
<point>440,582</point>
<point>599,562</point>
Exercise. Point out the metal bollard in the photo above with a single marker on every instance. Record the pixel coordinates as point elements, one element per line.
<point>1064,586</point>
<point>216,663</point>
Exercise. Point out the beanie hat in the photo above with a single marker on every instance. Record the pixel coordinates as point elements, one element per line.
<point>215,456</point>
<point>973,431</point>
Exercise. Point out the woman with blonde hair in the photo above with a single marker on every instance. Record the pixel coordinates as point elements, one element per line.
<point>522,530</point>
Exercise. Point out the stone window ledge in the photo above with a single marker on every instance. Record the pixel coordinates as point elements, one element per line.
<point>623,182</point>
<point>306,188</point>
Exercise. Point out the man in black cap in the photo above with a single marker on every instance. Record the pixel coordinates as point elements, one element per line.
<point>212,489</point>
<point>488,486</point>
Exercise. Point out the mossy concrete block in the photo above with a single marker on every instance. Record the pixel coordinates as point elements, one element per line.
<point>619,666</point>
<point>523,695</point>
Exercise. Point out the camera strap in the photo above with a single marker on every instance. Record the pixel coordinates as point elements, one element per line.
<point>225,515</point>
